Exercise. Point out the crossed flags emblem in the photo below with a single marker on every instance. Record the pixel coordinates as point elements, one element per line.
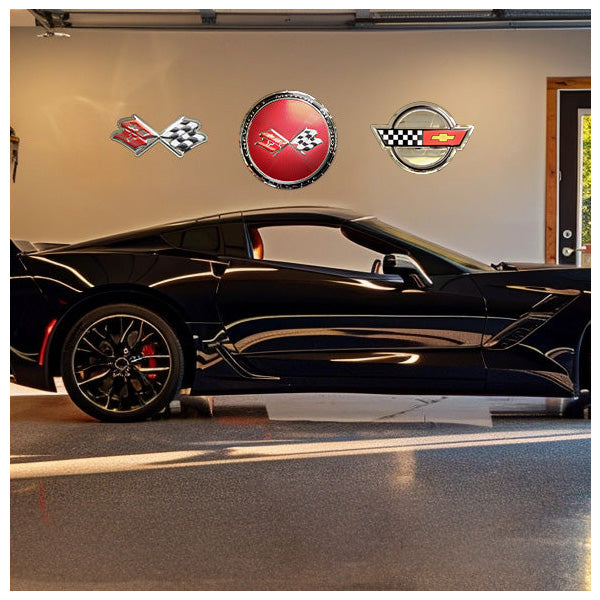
<point>179,137</point>
<point>273,142</point>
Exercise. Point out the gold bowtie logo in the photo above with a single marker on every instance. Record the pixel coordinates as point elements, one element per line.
<point>442,137</point>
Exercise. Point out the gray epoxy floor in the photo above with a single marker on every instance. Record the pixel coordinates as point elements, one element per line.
<point>241,502</point>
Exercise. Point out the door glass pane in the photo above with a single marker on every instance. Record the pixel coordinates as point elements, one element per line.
<point>585,186</point>
<point>315,245</point>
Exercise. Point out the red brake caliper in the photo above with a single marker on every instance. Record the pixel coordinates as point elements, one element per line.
<point>149,350</point>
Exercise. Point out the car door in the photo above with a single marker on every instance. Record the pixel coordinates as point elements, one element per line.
<point>317,323</point>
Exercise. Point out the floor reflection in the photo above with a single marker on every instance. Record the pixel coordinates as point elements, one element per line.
<point>379,408</point>
<point>264,451</point>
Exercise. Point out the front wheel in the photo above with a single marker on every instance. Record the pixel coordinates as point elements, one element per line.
<point>122,363</point>
<point>580,408</point>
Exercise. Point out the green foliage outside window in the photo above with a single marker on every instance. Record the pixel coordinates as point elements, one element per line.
<point>586,184</point>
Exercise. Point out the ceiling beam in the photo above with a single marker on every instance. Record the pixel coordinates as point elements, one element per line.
<point>361,19</point>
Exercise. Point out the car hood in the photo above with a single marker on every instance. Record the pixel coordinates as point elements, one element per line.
<point>527,266</point>
<point>561,279</point>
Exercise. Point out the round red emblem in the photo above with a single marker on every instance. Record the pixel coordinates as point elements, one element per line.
<point>288,139</point>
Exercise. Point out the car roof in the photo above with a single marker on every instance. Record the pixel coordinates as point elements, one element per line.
<point>300,214</point>
<point>283,215</point>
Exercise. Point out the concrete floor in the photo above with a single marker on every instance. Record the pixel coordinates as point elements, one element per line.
<point>245,502</point>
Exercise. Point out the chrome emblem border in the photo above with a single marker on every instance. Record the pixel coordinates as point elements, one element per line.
<point>274,142</point>
<point>422,137</point>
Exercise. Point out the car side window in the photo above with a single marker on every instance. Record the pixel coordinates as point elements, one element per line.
<point>234,240</point>
<point>311,245</point>
<point>196,239</point>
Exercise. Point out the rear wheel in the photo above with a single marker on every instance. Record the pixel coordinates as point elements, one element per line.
<point>122,363</point>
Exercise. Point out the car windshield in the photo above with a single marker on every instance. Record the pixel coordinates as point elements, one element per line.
<point>380,228</point>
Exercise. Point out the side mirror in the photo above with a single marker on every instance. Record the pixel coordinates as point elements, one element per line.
<point>407,267</point>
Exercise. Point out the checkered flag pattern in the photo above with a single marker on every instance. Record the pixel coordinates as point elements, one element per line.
<point>182,136</point>
<point>401,137</point>
<point>306,140</point>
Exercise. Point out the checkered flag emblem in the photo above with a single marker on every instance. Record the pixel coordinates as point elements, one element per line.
<point>182,135</point>
<point>392,138</point>
<point>179,137</point>
<point>306,140</point>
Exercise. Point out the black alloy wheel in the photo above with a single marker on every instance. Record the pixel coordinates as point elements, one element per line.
<point>122,363</point>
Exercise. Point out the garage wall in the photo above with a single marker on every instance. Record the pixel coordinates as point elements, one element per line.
<point>73,182</point>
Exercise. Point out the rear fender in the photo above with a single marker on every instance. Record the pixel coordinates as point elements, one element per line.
<point>141,296</point>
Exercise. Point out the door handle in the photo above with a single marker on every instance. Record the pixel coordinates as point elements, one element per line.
<point>566,252</point>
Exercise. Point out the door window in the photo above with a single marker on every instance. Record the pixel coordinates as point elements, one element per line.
<point>312,245</point>
<point>585,187</point>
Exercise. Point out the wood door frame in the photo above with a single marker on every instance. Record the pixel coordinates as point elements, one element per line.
<point>553,86</point>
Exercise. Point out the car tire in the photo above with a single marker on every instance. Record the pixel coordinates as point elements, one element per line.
<point>122,363</point>
<point>586,404</point>
<point>580,408</point>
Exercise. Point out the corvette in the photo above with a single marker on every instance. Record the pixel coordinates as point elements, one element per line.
<point>208,307</point>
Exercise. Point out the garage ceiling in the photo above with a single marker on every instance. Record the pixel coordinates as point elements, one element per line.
<point>350,19</point>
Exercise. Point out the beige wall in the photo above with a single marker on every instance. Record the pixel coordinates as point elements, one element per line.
<point>73,182</point>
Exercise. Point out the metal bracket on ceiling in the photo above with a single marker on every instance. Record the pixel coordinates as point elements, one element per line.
<point>50,20</point>
<point>209,17</point>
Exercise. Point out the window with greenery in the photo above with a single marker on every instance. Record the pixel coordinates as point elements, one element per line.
<point>586,183</point>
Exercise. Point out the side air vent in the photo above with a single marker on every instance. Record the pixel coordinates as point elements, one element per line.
<point>516,332</point>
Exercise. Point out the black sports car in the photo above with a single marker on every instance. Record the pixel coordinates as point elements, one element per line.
<point>204,307</point>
